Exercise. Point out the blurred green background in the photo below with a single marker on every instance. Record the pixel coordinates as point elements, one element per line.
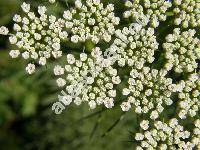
<point>26,119</point>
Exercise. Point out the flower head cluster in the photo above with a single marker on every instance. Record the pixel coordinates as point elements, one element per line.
<point>37,38</point>
<point>91,21</point>
<point>133,49</point>
<point>90,78</point>
<point>147,11</point>
<point>189,102</point>
<point>149,91</point>
<point>136,45</point>
<point>170,135</point>
<point>182,50</point>
<point>187,13</point>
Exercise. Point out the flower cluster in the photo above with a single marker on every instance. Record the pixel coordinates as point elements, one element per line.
<point>37,38</point>
<point>91,21</point>
<point>149,91</point>
<point>189,103</point>
<point>170,135</point>
<point>89,79</point>
<point>135,45</point>
<point>187,13</point>
<point>148,11</point>
<point>182,50</point>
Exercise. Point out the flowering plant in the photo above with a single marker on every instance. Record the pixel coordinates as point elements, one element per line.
<point>145,60</point>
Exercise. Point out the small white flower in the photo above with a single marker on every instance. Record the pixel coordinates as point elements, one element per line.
<point>144,124</point>
<point>70,59</point>
<point>16,27</point>
<point>126,91</point>
<point>83,56</point>
<point>34,55</point>
<point>106,37</point>
<point>91,21</point>
<point>154,115</point>
<point>25,7</point>
<point>42,10</point>
<point>56,54</point>
<point>30,69</point>
<point>116,80</point>
<point>148,92</point>
<point>4,30</point>
<point>90,80</point>
<point>96,2</point>
<point>37,36</point>
<point>92,104</point>
<point>13,39</point>
<point>139,136</point>
<point>14,53</point>
<point>63,35</point>
<point>112,93</point>
<point>138,110</point>
<point>31,15</point>
<point>17,18</point>
<point>75,38</point>
<point>42,61</point>
<point>78,4</point>
<point>67,15</point>
<point>60,82</point>
<point>125,106</point>
<point>25,55</point>
<point>78,101</point>
<point>108,102</point>
<point>56,46</point>
<point>58,70</point>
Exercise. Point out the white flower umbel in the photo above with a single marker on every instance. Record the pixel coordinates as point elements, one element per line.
<point>166,136</point>
<point>89,79</point>
<point>187,13</point>
<point>150,91</point>
<point>90,20</point>
<point>182,50</point>
<point>149,11</point>
<point>135,45</point>
<point>38,36</point>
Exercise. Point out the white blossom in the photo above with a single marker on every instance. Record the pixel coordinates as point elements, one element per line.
<point>30,69</point>
<point>125,106</point>
<point>14,53</point>
<point>92,104</point>
<point>4,30</point>
<point>25,7</point>
<point>58,70</point>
